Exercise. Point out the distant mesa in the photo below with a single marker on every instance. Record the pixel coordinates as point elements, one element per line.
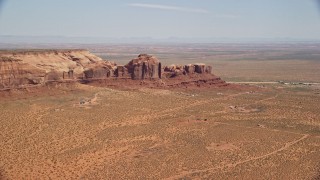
<point>20,68</point>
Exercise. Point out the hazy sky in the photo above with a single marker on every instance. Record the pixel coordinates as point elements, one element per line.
<point>162,18</point>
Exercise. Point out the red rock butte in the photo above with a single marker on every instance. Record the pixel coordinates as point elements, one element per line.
<point>19,68</point>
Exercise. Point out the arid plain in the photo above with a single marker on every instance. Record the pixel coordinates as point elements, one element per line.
<point>252,130</point>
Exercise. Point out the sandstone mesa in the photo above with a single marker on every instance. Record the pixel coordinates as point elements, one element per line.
<point>19,68</point>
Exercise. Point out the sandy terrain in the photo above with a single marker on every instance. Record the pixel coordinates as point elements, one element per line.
<point>102,133</point>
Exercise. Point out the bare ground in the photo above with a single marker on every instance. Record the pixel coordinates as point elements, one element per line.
<point>102,133</point>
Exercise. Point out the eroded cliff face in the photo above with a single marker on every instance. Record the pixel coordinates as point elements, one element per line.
<point>144,67</point>
<point>58,60</point>
<point>36,67</point>
<point>14,72</point>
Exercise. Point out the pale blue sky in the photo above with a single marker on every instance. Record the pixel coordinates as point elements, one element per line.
<point>162,19</point>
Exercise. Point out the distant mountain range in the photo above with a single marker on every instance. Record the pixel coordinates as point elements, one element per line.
<point>11,39</point>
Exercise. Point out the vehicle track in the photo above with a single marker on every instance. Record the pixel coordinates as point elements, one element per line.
<point>233,165</point>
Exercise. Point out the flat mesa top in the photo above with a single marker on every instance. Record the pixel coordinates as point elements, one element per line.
<point>23,51</point>
<point>199,64</point>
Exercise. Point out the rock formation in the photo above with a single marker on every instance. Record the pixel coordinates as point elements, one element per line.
<point>14,72</point>
<point>97,73</point>
<point>144,67</point>
<point>20,68</point>
<point>199,68</point>
<point>23,67</point>
<point>121,71</point>
<point>68,75</point>
<point>189,69</point>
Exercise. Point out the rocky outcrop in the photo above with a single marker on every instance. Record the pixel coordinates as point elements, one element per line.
<point>68,75</point>
<point>189,69</point>
<point>58,60</point>
<point>19,68</point>
<point>121,71</point>
<point>22,67</point>
<point>144,67</point>
<point>97,73</point>
<point>14,72</point>
<point>199,68</point>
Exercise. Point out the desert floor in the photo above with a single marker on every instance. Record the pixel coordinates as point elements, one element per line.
<point>86,132</point>
<point>256,131</point>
